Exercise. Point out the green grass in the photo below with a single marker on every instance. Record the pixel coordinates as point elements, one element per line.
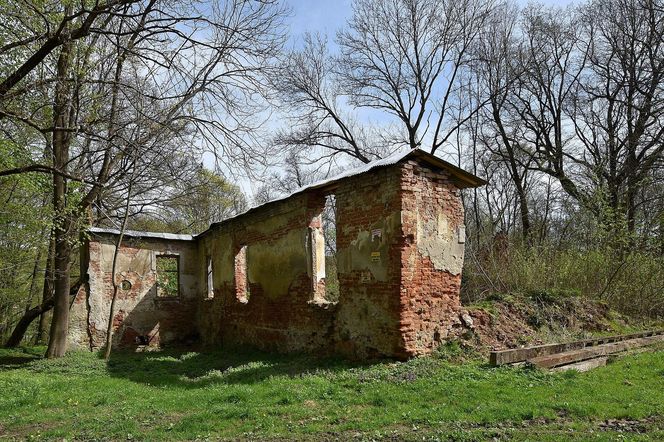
<point>249,395</point>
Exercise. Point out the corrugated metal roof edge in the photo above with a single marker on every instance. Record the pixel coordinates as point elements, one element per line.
<point>466,179</point>
<point>137,234</point>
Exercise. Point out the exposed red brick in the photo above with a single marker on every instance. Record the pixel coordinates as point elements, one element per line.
<point>394,300</point>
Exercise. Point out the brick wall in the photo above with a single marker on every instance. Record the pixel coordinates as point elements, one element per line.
<point>431,257</point>
<point>399,237</point>
<point>140,316</point>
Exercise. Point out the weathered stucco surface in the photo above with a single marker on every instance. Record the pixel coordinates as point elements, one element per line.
<point>399,238</point>
<point>432,257</point>
<point>437,240</point>
<point>368,214</point>
<point>141,317</point>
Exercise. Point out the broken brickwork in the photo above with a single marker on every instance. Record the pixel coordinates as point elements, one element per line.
<point>399,247</point>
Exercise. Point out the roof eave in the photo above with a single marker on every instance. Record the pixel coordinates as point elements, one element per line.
<point>464,179</point>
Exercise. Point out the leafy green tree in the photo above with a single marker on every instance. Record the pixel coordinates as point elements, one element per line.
<point>25,218</point>
<point>127,85</point>
<point>208,198</point>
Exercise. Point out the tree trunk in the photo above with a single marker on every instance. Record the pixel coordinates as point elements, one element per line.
<point>33,277</point>
<point>44,326</point>
<point>523,209</point>
<point>47,291</point>
<point>25,321</point>
<point>631,209</point>
<point>30,315</point>
<point>57,344</point>
<point>517,177</point>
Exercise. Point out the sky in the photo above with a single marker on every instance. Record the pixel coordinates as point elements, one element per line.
<point>322,16</point>
<point>326,17</point>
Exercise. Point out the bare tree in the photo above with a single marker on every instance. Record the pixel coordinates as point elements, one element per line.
<point>496,74</point>
<point>155,75</point>
<point>619,109</point>
<point>315,108</point>
<point>551,66</point>
<point>405,57</point>
<point>46,26</point>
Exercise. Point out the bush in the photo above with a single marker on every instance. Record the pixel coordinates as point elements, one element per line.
<point>632,283</point>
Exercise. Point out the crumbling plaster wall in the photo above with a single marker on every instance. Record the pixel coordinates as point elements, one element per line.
<point>280,312</point>
<point>285,310</point>
<point>431,256</point>
<point>368,252</point>
<point>140,315</point>
<point>399,237</point>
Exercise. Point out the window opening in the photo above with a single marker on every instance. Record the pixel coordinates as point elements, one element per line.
<point>329,226</point>
<point>209,278</point>
<point>323,240</point>
<point>241,282</point>
<point>168,276</point>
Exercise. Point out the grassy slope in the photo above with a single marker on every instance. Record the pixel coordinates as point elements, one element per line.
<point>172,395</point>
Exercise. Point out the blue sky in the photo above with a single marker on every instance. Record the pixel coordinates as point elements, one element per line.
<point>326,16</point>
<point>318,16</point>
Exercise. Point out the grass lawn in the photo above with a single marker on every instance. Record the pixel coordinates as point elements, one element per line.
<point>249,395</point>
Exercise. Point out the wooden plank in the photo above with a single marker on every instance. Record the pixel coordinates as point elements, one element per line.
<point>583,365</point>
<point>556,360</point>
<point>522,354</point>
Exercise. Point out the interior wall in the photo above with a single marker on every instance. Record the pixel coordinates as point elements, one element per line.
<point>280,312</point>
<point>140,316</point>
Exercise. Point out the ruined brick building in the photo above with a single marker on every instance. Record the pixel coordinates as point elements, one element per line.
<point>259,280</point>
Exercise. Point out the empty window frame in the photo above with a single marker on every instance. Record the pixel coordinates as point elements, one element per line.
<point>323,240</point>
<point>330,234</point>
<point>241,280</point>
<point>168,276</point>
<point>209,279</point>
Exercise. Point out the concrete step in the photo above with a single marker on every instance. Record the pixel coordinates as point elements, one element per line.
<point>583,365</point>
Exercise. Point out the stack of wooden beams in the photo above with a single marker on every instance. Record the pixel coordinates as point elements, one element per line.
<point>579,355</point>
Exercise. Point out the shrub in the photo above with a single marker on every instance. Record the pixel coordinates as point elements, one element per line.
<point>632,283</point>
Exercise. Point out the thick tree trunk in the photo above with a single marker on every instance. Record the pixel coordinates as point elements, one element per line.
<point>25,321</point>
<point>57,344</point>
<point>43,328</point>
